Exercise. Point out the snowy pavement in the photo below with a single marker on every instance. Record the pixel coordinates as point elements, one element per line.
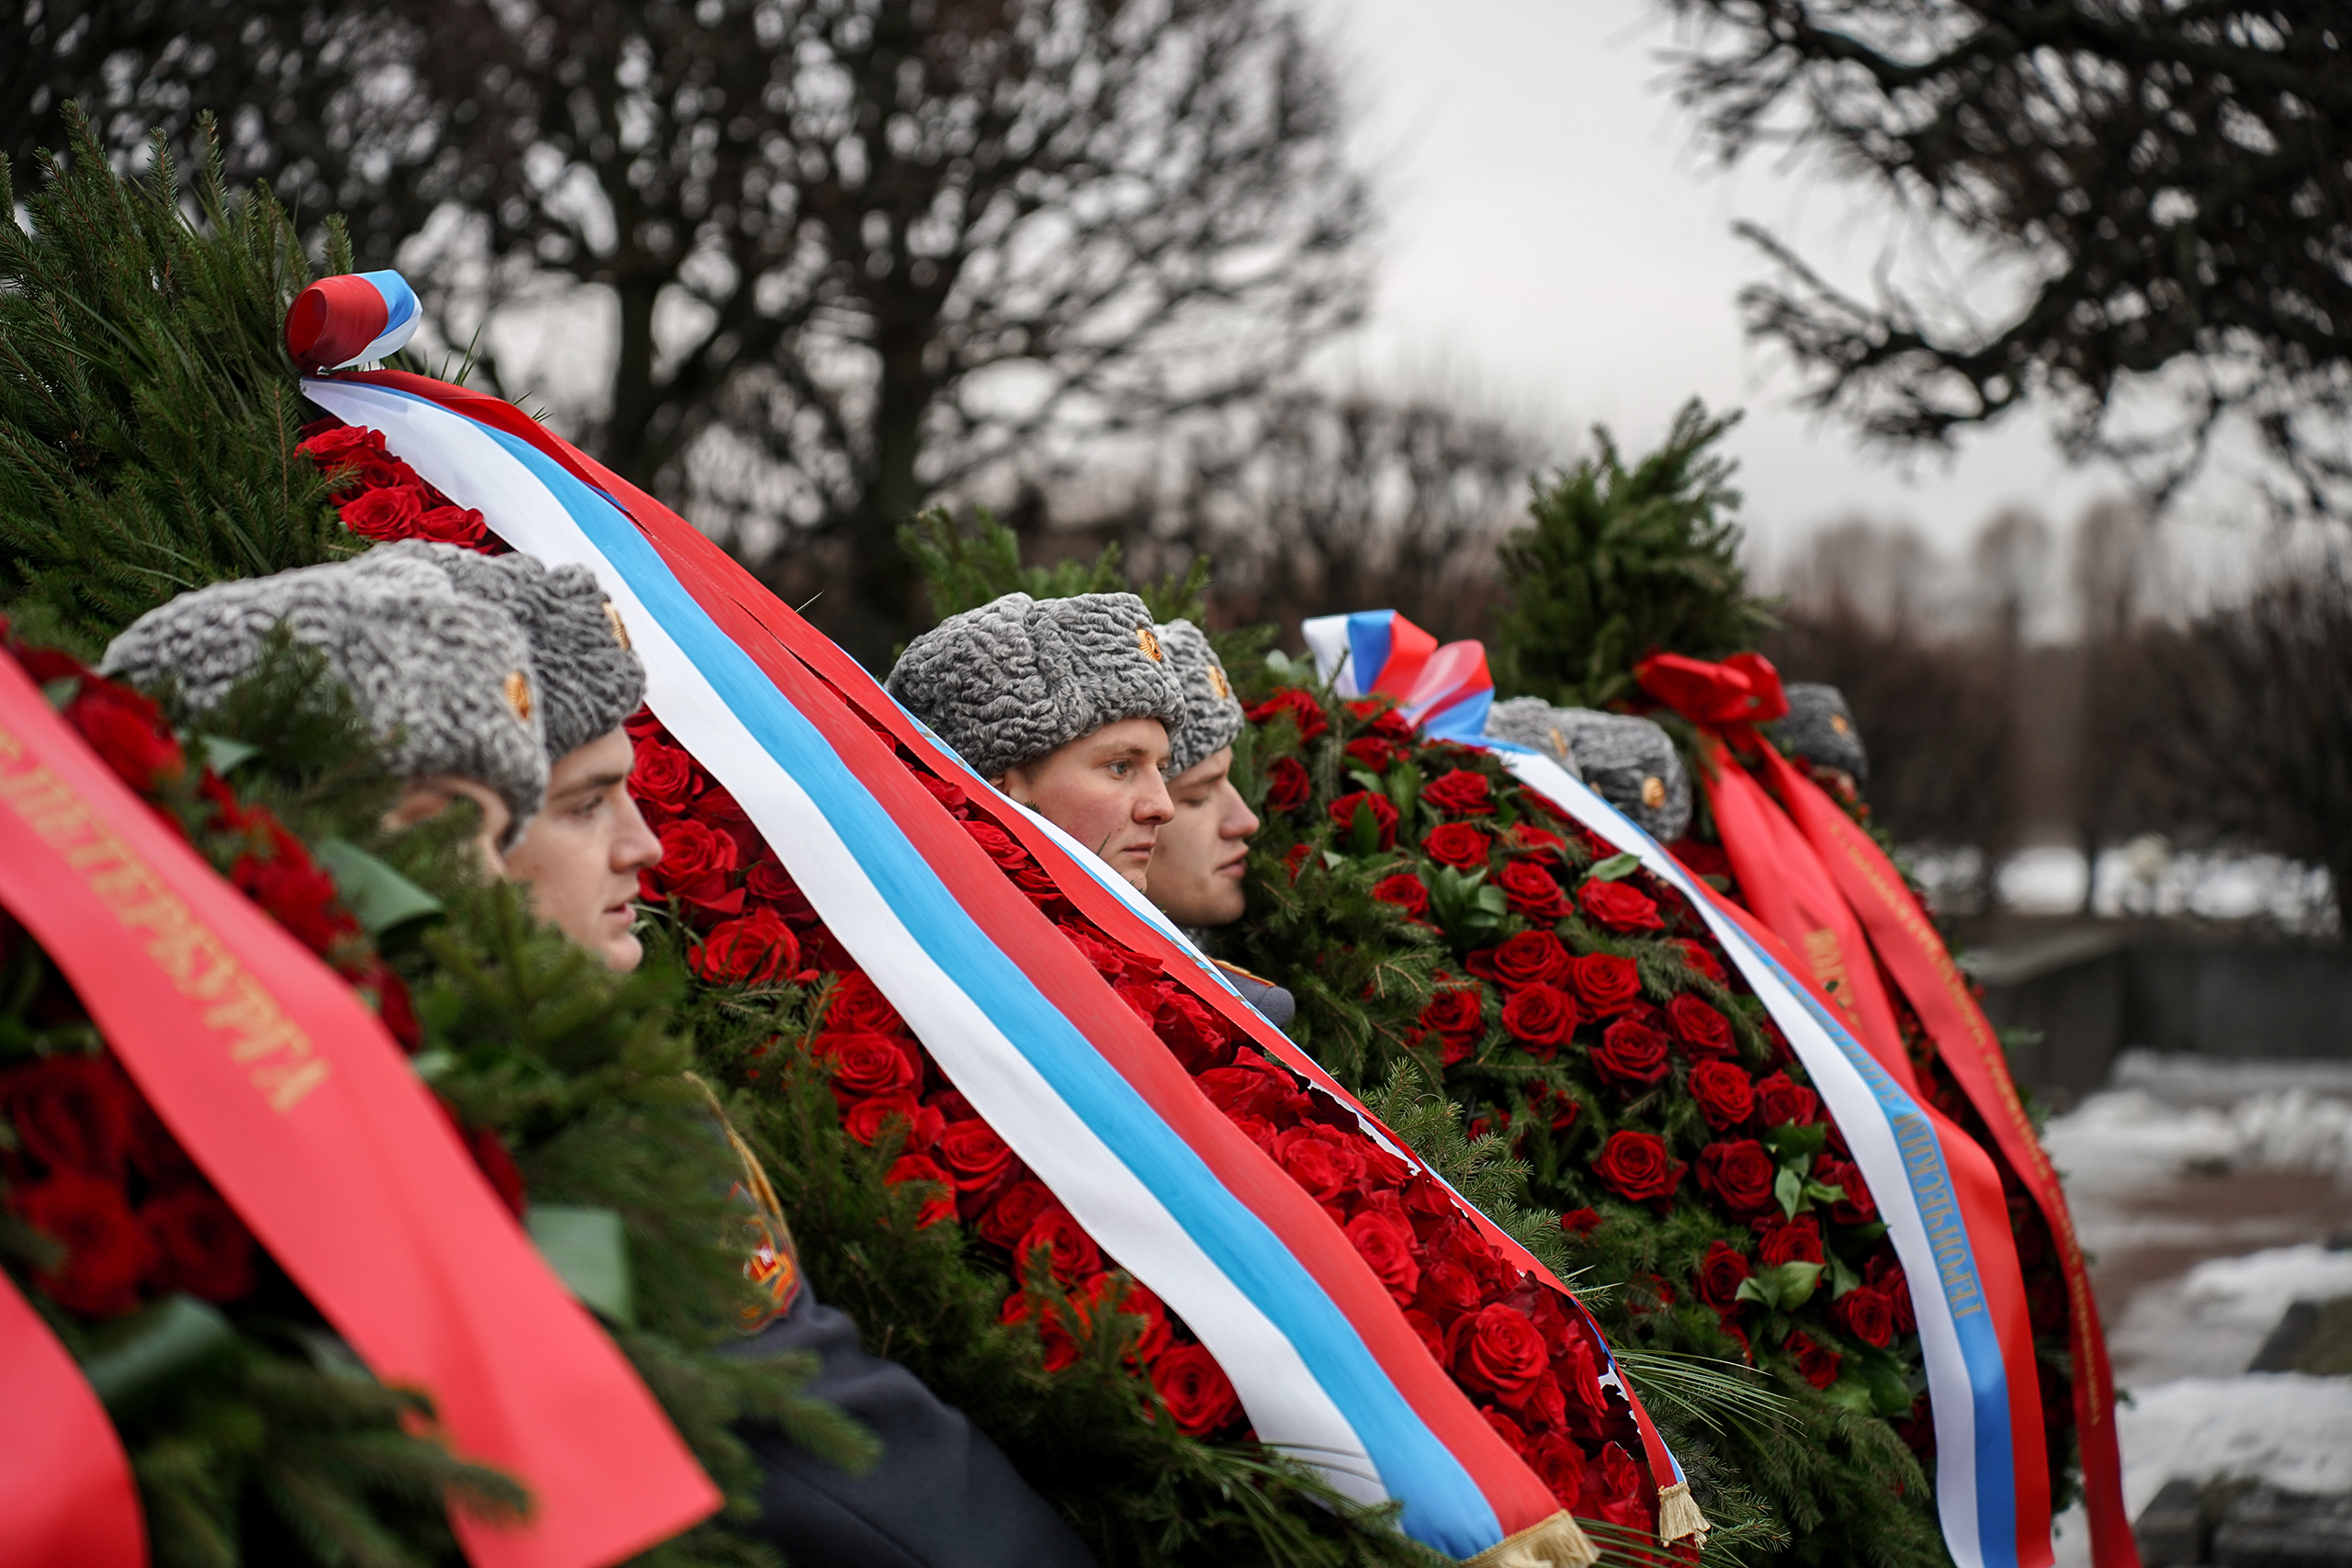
<point>2208,1191</point>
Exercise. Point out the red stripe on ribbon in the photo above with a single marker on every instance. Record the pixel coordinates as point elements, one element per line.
<point>66,1496</point>
<point>825,684</point>
<point>334,318</point>
<point>1923,967</point>
<point>293,1098</point>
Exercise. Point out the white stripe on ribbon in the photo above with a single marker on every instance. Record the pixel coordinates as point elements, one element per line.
<point>1858,1091</point>
<point>1288,1406</point>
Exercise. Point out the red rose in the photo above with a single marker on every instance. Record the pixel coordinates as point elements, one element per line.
<point>1706,1032</point>
<point>1459,793</point>
<point>1790,1241</point>
<point>947,792</point>
<point>1383,815</point>
<point>1386,1244</point>
<point>1721,1273</point>
<point>1886,1275</point>
<point>1300,707</point>
<point>1448,1290</point>
<point>664,779</point>
<point>757,950</point>
<point>1618,907</point>
<point>390,513</point>
<point>1531,891</point>
<point>1497,1350</point>
<point>1698,961</point>
<point>1580,1221</point>
<point>1630,1055</point>
<point>1250,1087</point>
<point>1322,1160</point>
<point>696,861</point>
<point>1372,751</point>
<point>295,891</point>
<point>1817,1364</point>
<point>1456,844</point>
<point>1072,1252</point>
<point>1053,1333</point>
<point>856,1003</point>
<point>1198,1394</point>
<point>864,1065</point>
<point>127,730</point>
<point>1780,1099</point>
<point>340,447</point>
<point>72,1113</point>
<point>941,1204</point>
<point>1527,959</point>
<point>1616,1490</point>
<point>1866,1314</point>
<point>1015,1209</point>
<point>1196,1036</point>
<point>1638,1167</point>
<point>1559,1464</point>
<point>1724,1094</point>
<point>1540,1015</point>
<point>974,1155</point>
<point>1526,838</point>
<point>200,1245</point>
<point>868,1119</point>
<point>1606,983</point>
<point>1404,890</point>
<point>452,525</point>
<point>1740,1175</point>
<point>1295,860</point>
<point>1457,1016</point>
<point>1857,1207</point>
<point>385,991</point>
<point>1385,720</point>
<point>1287,785</point>
<point>107,1252</point>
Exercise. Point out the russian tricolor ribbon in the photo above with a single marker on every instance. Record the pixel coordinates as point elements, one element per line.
<point>1939,1192</point>
<point>1045,1052</point>
<point>1446,690</point>
<point>293,1098</point>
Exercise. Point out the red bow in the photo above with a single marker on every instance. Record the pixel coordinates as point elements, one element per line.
<point>1744,689</point>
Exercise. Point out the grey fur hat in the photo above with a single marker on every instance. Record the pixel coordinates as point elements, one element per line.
<point>590,678</point>
<point>1820,728</point>
<point>1531,722</point>
<point>445,682</point>
<point>1631,763</point>
<point>1009,682</point>
<point>1211,713</point>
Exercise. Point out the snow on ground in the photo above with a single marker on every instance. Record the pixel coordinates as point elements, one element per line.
<point>2207,1190</point>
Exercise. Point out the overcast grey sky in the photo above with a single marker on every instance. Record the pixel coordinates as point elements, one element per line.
<point>1554,236</point>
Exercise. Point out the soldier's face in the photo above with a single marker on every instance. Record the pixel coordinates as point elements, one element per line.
<point>1104,790</point>
<point>580,854</point>
<point>1202,854</point>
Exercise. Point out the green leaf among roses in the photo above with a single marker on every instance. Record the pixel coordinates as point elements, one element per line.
<point>1461,902</point>
<point>1615,867</point>
<point>1784,1288</point>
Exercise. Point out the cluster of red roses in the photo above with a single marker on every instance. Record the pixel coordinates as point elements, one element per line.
<point>1531,1366</point>
<point>1595,1034</point>
<point>379,497</point>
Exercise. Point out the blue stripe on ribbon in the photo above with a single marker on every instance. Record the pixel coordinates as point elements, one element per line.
<point>1371,638</point>
<point>1442,1505</point>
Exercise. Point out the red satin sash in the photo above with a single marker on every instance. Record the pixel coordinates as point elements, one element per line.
<point>296,1102</point>
<point>1923,967</point>
<point>66,1496</point>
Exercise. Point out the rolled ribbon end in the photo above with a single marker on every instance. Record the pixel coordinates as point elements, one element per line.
<point>1678,1514</point>
<point>356,319</point>
<point>1557,1542</point>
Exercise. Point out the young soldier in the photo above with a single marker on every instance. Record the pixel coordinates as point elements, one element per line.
<point>1202,854</point>
<point>1065,705</point>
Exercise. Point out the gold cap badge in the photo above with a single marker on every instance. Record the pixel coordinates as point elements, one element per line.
<point>1217,683</point>
<point>1148,643</point>
<point>1837,722</point>
<point>517,688</point>
<point>1653,792</point>
<point>620,632</point>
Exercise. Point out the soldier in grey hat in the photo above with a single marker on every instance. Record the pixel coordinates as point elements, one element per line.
<point>1203,852</point>
<point>1629,761</point>
<point>1818,730</point>
<point>1065,705</point>
<point>580,855</point>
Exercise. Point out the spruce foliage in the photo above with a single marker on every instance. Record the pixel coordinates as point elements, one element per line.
<point>1619,563</point>
<point>148,411</point>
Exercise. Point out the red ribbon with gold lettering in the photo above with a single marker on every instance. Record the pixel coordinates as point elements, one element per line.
<point>66,1497</point>
<point>297,1103</point>
<point>1923,967</point>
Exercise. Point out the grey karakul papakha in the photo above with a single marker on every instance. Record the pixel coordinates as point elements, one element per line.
<point>1820,728</point>
<point>590,679</point>
<point>1213,714</point>
<point>1528,721</point>
<point>1016,678</point>
<point>444,681</point>
<point>1631,763</point>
